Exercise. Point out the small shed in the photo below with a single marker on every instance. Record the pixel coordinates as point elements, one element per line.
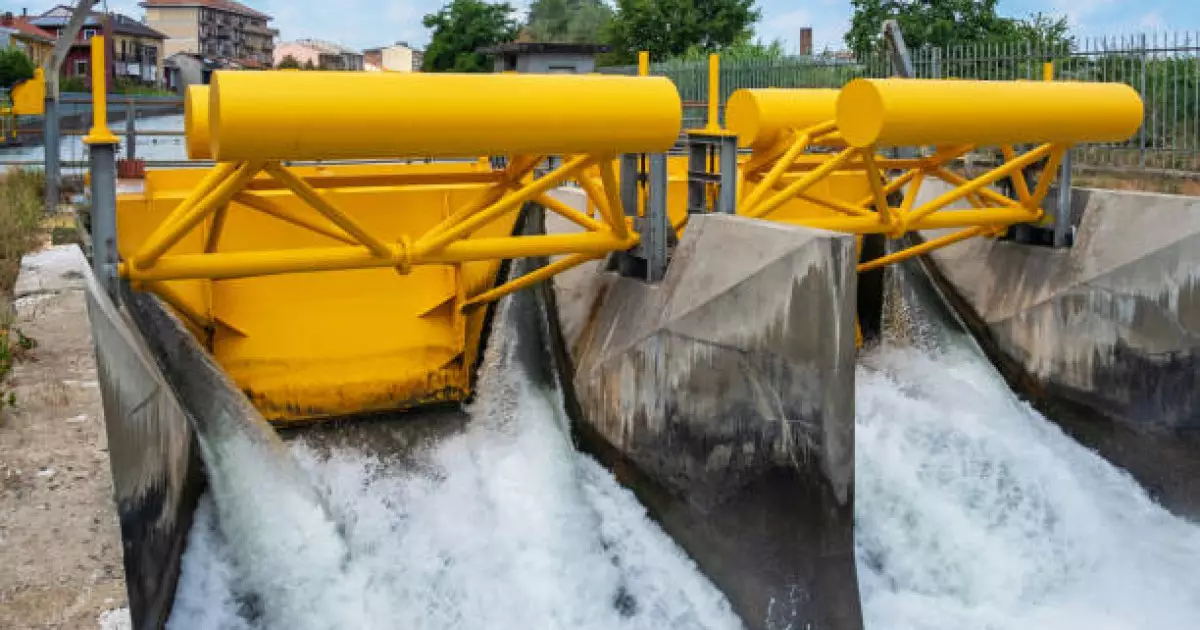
<point>544,57</point>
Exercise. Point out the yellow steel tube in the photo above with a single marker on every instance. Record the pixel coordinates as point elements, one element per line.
<point>99,133</point>
<point>195,123</point>
<point>266,206</point>
<point>978,183</point>
<point>951,177</point>
<point>834,204</point>
<point>433,242</point>
<point>275,115</point>
<point>218,174</point>
<point>1049,172</point>
<point>570,214</point>
<point>314,199</point>
<point>152,249</point>
<point>643,63</point>
<point>714,92</point>
<point>800,185</point>
<point>760,117</point>
<point>891,187</point>
<point>874,178</point>
<point>917,250</point>
<point>529,279</point>
<point>594,193</point>
<point>1018,177</point>
<point>617,212</point>
<point>218,226</point>
<point>231,265</point>
<point>514,172</point>
<point>907,112</point>
<point>781,166</point>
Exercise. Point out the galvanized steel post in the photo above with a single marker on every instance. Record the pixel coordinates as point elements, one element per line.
<point>130,130</point>
<point>654,239</point>
<point>50,140</point>
<point>103,161</point>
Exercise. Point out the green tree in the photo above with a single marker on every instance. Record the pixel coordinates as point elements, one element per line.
<point>573,21</point>
<point>15,66</point>
<point>669,28</point>
<point>926,23</point>
<point>462,27</point>
<point>289,63</point>
<point>308,65</point>
<point>1043,32</point>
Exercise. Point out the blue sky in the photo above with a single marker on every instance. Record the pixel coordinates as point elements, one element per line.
<point>365,23</point>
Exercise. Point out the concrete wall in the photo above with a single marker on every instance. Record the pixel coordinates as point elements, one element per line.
<point>726,395</point>
<point>547,63</point>
<point>1111,325</point>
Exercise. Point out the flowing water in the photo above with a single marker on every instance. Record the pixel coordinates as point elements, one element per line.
<point>973,512</point>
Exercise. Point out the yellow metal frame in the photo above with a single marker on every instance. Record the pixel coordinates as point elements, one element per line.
<point>792,172</point>
<point>447,243</point>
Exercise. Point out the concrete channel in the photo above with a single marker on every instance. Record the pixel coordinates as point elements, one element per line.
<point>723,396</point>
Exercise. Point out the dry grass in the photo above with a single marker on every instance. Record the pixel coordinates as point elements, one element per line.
<point>20,216</point>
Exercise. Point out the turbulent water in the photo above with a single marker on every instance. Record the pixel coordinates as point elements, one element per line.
<point>502,526</point>
<point>973,512</point>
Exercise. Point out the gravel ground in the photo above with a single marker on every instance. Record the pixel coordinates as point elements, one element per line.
<point>60,545</point>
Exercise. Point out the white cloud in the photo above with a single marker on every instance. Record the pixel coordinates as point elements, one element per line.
<point>1152,20</point>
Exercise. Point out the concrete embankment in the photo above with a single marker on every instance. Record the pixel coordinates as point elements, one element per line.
<point>724,396</point>
<point>1106,334</point>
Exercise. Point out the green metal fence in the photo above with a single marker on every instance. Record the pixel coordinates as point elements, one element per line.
<point>1164,68</point>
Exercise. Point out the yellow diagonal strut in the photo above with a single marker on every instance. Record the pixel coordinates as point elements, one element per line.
<point>447,243</point>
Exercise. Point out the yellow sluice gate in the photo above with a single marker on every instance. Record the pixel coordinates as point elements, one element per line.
<point>333,290</point>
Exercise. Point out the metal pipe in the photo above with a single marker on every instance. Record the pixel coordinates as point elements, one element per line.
<point>265,206</point>
<point>761,118</point>
<point>800,185</point>
<point>923,248</point>
<point>917,112</point>
<point>714,96</point>
<point>230,265</point>
<point>281,115</point>
<point>539,275</point>
<point>314,199</point>
<point>978,183</point>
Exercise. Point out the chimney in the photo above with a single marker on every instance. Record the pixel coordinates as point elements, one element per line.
<point>7,20</point>
<point>806,42</point>
<point>24,12</point>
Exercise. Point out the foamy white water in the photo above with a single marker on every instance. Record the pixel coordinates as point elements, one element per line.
<point>973,511</point>
<point>503,526</point>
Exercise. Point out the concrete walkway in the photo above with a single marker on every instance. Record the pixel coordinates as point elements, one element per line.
<point>60,545</point>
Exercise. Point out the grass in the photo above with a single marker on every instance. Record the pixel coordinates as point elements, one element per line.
<point>21,211</point>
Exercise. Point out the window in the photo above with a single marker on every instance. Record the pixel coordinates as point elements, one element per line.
<point>81,67</point>
<point>124,51</point>
<point>89,33</point>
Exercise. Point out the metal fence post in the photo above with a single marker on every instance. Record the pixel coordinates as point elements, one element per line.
<point>1149,112</point>
<point>102,157</point>
<point>657,222</point>
<point>130,130</point>
<point>1062,218</point>
<point>50,141</point>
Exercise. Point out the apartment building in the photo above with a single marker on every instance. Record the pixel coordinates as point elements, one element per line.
<point>399,57</point>
<point>135,49</point>
<point>222,30</point>
<point>320,55</point>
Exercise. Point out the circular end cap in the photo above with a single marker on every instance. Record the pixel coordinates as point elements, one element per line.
<point>742,117</point>
<point>196,124</point>
<point>860,113</point>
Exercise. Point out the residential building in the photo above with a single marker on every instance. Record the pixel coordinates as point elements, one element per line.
<point>399,57</point>
<point>544,58</point>
<point>228,33</point>
<point>321,54</point>
<point>18,32</point>
<point>134,48</point>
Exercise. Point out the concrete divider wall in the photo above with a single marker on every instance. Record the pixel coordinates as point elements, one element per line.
<point>1111,325</point>
<point>729,387</point>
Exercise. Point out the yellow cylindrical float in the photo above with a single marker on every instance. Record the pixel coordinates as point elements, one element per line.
<point>759,117</point>
<point>195,123</point>
<point>914,112</point>
<point>330,115</point>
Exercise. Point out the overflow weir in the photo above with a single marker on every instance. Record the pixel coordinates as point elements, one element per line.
<point>354,394</point>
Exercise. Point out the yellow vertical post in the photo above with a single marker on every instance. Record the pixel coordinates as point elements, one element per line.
<point>99,133</point>
<point>1048,71</point>
<point>714,92</point>
<point>644,63</point>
